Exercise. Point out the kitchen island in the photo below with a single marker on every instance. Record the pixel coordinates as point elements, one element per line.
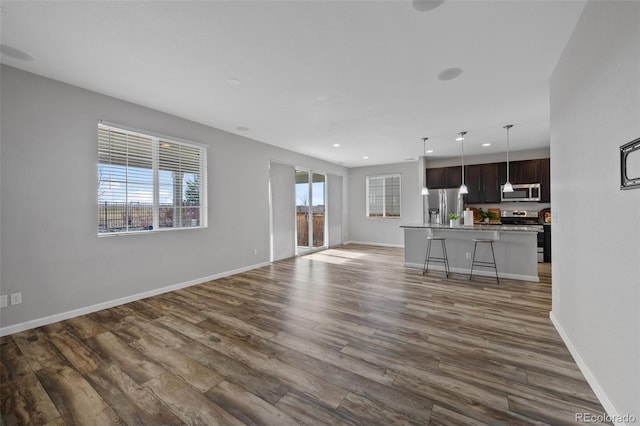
<point>515,248</point>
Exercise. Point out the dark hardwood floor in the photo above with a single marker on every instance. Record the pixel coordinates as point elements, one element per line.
<point>344,336</point>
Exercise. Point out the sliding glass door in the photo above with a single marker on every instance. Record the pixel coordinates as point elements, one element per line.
<point>310,210</point>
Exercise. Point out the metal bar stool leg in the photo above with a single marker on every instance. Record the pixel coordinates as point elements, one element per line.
<point>428,258</point>
<point>484,263</point>
<point>425,267</point>
<point>495,265</point>
<point>446,259</point>
<point>473,258</point>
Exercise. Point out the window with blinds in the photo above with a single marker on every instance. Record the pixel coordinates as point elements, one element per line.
<point>148,183</point>
<point>383,196</point>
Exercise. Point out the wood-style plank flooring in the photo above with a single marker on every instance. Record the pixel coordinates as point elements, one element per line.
<point>344,336</point>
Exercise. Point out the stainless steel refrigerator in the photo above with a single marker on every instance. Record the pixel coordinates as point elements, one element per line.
<point>446,201</point>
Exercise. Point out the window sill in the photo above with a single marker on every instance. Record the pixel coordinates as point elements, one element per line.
<point>155,231</point>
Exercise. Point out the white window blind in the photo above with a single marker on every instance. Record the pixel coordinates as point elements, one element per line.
<point>383,196</point>
<point>148,183</point>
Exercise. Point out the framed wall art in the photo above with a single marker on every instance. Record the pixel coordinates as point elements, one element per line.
<point>630,165</point>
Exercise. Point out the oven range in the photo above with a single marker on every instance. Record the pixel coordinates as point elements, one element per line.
<point>520,217</point>
<point>526,217</point>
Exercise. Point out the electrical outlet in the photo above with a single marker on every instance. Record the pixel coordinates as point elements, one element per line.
<point>3,301</point>
<point>468,255</point>
<point>16,298</point>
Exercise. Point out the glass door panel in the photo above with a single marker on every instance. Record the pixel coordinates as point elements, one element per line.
<point>318,210</point>
<point>310,210</point>
<point>303,193</point>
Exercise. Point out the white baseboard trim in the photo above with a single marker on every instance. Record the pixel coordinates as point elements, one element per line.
<point>367,243</point>
<point>27,325</point>
<point>481,272</point>
<point>611,410</point>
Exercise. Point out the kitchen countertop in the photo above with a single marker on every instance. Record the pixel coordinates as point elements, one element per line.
<point>477,227</point>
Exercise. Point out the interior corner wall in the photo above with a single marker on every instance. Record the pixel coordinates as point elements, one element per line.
<point>335,210</point>
<point>50,249</point>
<point>595,108</point>
<point>384,231</point>
<point>282,184</point>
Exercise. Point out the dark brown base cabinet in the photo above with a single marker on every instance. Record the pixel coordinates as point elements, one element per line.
<point>547,243</point>
<point>484,180</point>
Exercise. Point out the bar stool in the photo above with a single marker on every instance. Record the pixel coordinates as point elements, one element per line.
<point>428,257</point>
<point>475,262</point>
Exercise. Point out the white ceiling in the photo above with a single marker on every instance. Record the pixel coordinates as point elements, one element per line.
<point>314,73</point>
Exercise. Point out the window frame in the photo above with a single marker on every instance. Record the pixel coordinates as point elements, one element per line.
<point>384,188</point>
<point>157,139</point>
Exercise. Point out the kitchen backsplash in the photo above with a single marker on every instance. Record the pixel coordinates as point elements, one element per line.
<point>512,206</point>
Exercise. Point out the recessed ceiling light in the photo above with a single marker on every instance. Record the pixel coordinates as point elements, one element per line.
<point>486,144</point>
<point>233,81</point>
<point>335,145</point>
<point>449,74</point>
<point>459,139</point>
<point>16,53</point>
<point>243,128</point>
<point>429,151</point>
<point>365,158</point>
<point>426,5</point>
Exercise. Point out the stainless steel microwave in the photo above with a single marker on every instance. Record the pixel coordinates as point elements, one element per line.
<point>527,192</point>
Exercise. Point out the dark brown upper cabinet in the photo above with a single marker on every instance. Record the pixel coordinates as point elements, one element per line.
<point>435,178</point>
<point>545,180</point>
<point>483,182</point>
<point>453,177</point>
<point>527,171</point>
<point>492,174</point>
<point>444,177</point>
<point>473,176</point>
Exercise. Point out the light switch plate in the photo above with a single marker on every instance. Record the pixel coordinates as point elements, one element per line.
<point>3,301</point>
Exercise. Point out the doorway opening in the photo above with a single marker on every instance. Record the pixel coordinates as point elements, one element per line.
<point>310,211</point>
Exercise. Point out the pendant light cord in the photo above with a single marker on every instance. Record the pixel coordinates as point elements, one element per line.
<point>462,137</point>
<point>508,126</point>
<point>425,189</point>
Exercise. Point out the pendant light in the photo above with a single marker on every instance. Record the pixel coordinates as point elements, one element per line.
<point>507,186</point>
<point>463,187</point>
<point>425,190</point>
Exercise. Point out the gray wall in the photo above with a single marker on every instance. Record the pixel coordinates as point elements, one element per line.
<point>282,184</point>
<point>595,108</point>
<point>384,231</point>
<point>335,211</point>
<point>489,158</point>
<point>50,248</point>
